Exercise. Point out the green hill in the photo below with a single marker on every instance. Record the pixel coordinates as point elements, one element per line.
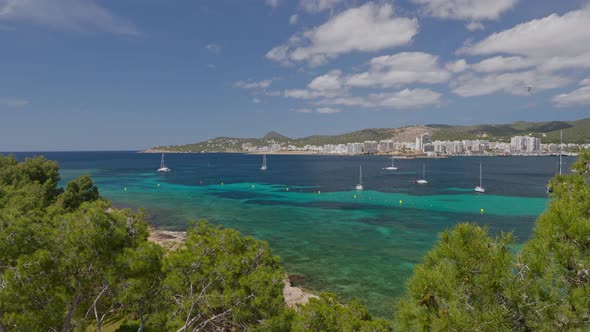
<point>573,132</point>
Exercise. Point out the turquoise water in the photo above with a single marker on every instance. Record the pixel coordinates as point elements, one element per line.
<point>356,244</point>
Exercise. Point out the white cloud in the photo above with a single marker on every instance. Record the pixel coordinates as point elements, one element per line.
<point>457,66</point>
<point>272,3</point>
<point>399,69</point>
<point>256,101</point>
<point>313,94</point>
<point>253,84</point>
<point>470,84</point>
<point>473,26</point>
<point>404,99</point>
<point>316,6</point>
<point>293,19</point>
<point>368,28</point>
<point>585,81</point>
<point>77,15</point>
<point>327,110</point>
<point>330,81</point>
<point>554,42</point>
<point>13,102</point>
<point>407,98</point>
<point>302,110</point>
<point>213,48</point>
<point>577,97</point>
<point>501,63</point>
<point>466,9</point>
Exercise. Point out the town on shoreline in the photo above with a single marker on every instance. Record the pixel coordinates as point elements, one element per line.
<point>423,146</point>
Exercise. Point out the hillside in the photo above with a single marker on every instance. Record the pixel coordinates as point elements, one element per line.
<point>573,132</point>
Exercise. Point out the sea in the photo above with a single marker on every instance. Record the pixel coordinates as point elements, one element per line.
<point>356,244</point>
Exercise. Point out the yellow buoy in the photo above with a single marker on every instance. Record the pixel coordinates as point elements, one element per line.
<point>481,211</point>
<point>354,196</point>
<point>401,202</point>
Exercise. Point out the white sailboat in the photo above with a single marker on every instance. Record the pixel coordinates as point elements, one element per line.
<point>480,189</point>
<point>392,167</point>
<point>359,186</point>
<point>163,168</point>
<point>423,179</point>
<point>264,167</point>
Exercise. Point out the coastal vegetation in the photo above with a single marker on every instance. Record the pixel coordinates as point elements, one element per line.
<point>575,132</point>
<point>70,262</point>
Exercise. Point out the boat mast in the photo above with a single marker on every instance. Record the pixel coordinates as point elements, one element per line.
<point>162,161</point>
<point>424,171</point>
<point>360,174</point>
<point>480,177</point>
<point>560,147</point>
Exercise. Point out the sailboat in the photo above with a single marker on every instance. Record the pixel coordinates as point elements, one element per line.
<point>549,189</point>
<point>423,179</point>
<point>392,167</point>
<point>163,168</point>
<point>480,189</point>
<point>264,167</point>
<point>359,186</point>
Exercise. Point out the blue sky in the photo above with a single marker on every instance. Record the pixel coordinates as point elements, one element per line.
<point>111,74</point>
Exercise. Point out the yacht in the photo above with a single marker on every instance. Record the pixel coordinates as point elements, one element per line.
<point>264,167</point>
<point>163,168</point>
<point>359,186</point>
<point>423,179</point>
<point>480,189</point>
<point>392,167</point>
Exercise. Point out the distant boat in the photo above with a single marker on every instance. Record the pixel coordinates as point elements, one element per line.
<point>480,189</point>
<point>264,167</point>
<point>163,168</point>
<point>359,186</point>
<point>423,179</point>
<point>392,167</point>
<point>549,189</point>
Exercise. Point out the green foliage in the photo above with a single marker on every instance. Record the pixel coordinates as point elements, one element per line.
<point>221,280</point>
<point>470,281</point>
<point>78,191</point>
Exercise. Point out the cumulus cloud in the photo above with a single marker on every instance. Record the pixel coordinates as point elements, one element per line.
<point>316,6</point>
<point>253,84</point>
<point>293,19</point>
<point>13,102</point>
<point>457,66</point>
<point>473,26</point>
<point>399,69</point>
<point>577,97</point>
<point>328,85</point>
<point>501,63</point>
<point>404,99</point>
<point>585,81</point>
<point>470,84</point>
<point>466,9</point>
<point>77,15</point>
<point>256,100</point>
<point>554,42</point>
<point>368,28</point>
